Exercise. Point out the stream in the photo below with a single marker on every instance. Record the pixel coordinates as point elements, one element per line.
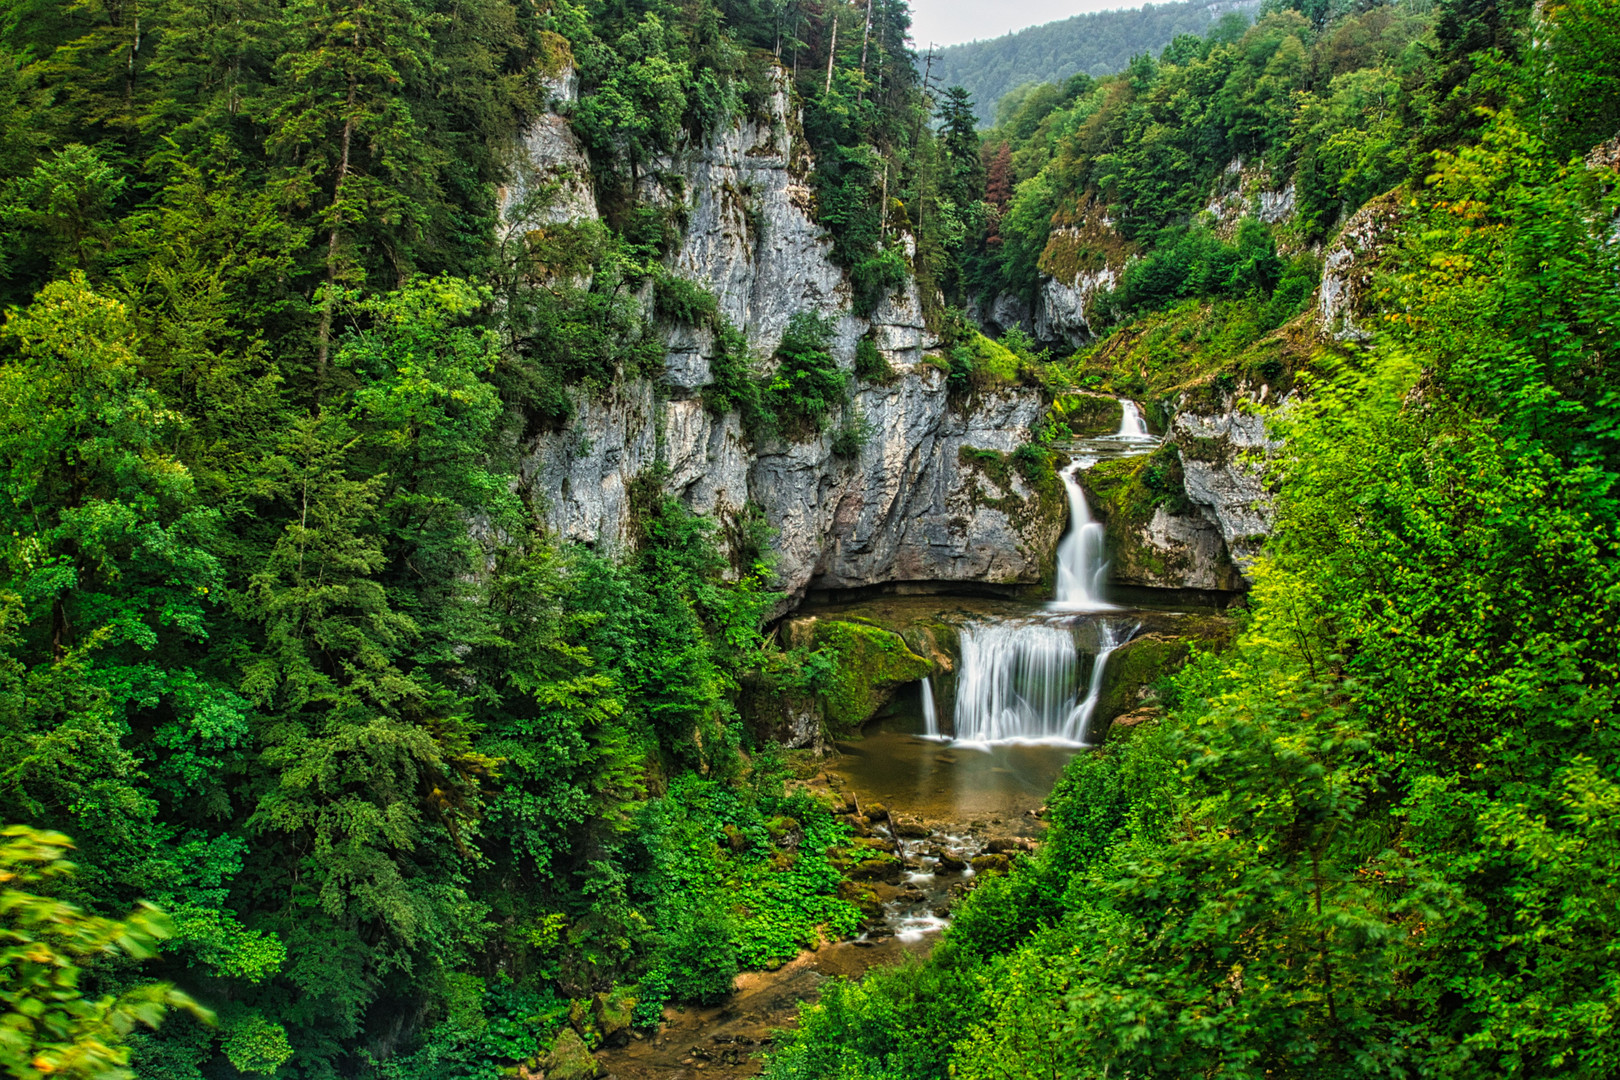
<point>953,789</point>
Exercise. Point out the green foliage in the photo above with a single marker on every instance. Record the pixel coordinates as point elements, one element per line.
<point>281,639</point>
<point>49,1024</point>
<point>807,385</point>
<point>733,383</point>
<point>738,878</point>
<point>1195,263</point>
<point>254,1045</point>
<point>1343,104</point>
<point>899,1022</point>
<point>682,301</point>
<point>870,363</point>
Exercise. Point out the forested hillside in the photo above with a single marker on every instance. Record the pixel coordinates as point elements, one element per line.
<point>287,651</point>
<point>1375,837</point>
<point>1096,44</point>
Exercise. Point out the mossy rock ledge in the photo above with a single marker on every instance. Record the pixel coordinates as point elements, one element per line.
<point>1156,537</point>
<point>871,664</point>
<point>1133,668</point>
<point>1087,415</point>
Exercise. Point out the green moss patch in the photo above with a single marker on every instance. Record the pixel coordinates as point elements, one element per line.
<point>1088,414</point>
<point>871,663</point>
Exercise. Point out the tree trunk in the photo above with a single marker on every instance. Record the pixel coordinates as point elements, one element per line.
<point>866,35</point>
<point>832,52</point>
<point>323,346</point>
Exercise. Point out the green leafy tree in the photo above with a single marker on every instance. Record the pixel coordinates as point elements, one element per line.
<point>49,1023</point>
<point>349,143</point>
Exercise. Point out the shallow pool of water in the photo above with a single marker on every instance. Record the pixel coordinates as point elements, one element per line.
<point>941,781</point>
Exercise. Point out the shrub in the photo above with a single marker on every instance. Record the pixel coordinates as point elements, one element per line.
<point>870,363</point>
<point>873,280</point>
<point>681,301</point>
<point>732,382</point>
<point>808,381</point>
<point>853,434</point>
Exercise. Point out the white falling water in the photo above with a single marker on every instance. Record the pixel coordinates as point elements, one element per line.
<point>1021,682</point>
<point>1131,424</point>
<point>1080,564</point>
<point>930,713</point>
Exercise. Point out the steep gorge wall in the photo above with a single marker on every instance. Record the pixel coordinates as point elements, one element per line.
<point>1201,522</point>
<point>904,507</point>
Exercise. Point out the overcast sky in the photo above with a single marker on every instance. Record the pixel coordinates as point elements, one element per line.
<point>951,22</point>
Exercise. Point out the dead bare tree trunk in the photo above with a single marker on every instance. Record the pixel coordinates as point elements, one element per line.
<point>831,52</point>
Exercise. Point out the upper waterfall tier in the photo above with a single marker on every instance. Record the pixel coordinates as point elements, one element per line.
<point>1080,562</point>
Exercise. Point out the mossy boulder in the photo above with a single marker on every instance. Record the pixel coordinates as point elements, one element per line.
<point>991,864</point>
<point>779,712</point>
<point>612,1014</point>
<point>880,867</point>
<point>871,664</point>
<point>1134,667</point>
<point>1087,415</point>
<point>570,1059</point>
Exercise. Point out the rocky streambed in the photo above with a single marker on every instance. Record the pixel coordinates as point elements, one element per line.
<point>910,861</point>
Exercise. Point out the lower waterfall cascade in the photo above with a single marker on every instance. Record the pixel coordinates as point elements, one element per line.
<point>1022,681</point>
<point>930,711</point>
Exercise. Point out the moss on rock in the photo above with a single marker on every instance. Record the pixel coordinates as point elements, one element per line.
<point>871,664</point>
<point>570,1059</point>
<point>1133,668</point>
<point>1087,415</point>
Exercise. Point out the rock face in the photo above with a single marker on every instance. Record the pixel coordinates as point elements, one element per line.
<point>1062,312</point>
<point>903,507</point>
<point>1173,551</point>
<point>1249,191</point>
<point>1223,458</point>
<point>552,179</point>
<point>1344,298</point>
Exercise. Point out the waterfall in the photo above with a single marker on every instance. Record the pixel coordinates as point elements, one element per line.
<point>1131,424</point>
<point>1021,681</point>
<point>930,714</point>
<point>1080,565</point>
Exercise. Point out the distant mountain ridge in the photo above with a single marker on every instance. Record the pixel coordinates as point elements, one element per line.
<point>1100,43</point>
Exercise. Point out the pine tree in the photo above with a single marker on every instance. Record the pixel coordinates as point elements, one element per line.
<point>348,140</point>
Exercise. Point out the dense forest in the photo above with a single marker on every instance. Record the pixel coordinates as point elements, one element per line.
<point>321,756</point>
<point>1096,44</point>
<point>284,652</point>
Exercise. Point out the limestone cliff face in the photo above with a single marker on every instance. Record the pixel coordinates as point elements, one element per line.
<point>1223,460</point>
<point>1344,300</point>
<point>902,508</point>
<point>1194,514</point>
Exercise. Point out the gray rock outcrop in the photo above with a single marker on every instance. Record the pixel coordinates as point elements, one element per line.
<point>903,507</point>
<point>1223,457</point>
<point>1344,299</point>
